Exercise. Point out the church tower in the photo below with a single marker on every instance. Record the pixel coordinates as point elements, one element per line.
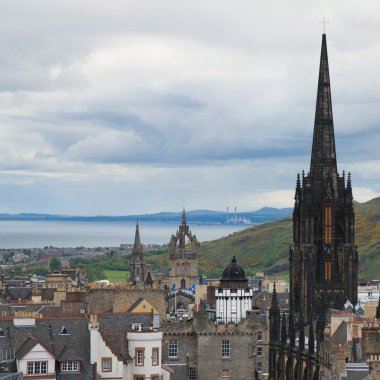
<point>137,266</point>
<point>323,258</point>
<point>183,256</point>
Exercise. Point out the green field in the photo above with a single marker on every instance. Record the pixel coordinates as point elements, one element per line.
<point>116,275</point>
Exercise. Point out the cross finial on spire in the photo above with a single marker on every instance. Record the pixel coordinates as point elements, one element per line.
<point>324,22</point>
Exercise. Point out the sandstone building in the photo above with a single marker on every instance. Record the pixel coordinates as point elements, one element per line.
<point>183,257</point>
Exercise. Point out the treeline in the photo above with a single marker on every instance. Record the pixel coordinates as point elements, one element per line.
<point>95,266</point>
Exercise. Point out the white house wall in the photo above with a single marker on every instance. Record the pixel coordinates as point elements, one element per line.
<point>232,304</point>
<point>100,350</point>
<point>37,354</point>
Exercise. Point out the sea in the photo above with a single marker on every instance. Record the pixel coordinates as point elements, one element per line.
<point>39,234</point>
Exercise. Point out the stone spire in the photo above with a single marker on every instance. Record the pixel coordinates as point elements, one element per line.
<point>137,265</point>
<point>274,318</point>
<point>274,332</point>
<point>323,156</point>
<point>137,246</point>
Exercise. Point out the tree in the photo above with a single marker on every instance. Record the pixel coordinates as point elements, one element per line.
<point>55,264</point>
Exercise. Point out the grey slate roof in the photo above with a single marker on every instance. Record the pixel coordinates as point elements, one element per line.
<point>19,293</point>
<point>47,332</point>
<point>114,327</point>
<point>27,346</point>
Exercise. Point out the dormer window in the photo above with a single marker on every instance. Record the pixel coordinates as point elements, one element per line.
<point>2,333</point>
<point>64,331</point>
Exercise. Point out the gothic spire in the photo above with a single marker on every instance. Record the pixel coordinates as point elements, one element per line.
<point>274,318</point>
<point>137,246</point>
<point>323,155</point>
<point>183,216</point>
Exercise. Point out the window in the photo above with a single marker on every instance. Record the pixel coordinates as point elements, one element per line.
<point>139,356</point>
<point>259,351</point>
<point>192,373</point>
<point>259,367</point>
<point>173,349</point>
<point>259,335</point>
<point>2,333</point>
<point>155,356</point>
<point>328,271</point>
<point>72,366</point>
<point>37,367</point>
<point>154,377</point>
<point>225,348</point>
<point>225,374</point>
<point>138,377</point>
<point>106,364</point>
<point>64,331</point>
<point>328,222</point>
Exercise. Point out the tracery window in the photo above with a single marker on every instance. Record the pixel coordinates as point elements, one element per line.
<point>328,224</point>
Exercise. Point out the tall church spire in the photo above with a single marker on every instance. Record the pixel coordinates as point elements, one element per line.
<point>323,155</point>
<point>137,245</point>
<point>137,265</point>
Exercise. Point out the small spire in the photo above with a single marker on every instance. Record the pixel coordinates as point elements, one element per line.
<point>274,318</point>
<point>183,216</point>
<point>233,260</point>
<point>298,184</point>
<point>137,235</point>
<point>349,180</point>
<point>274,296</point>
<point>148,281</point>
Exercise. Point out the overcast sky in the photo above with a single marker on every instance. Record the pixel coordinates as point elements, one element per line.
<point>125,107</point>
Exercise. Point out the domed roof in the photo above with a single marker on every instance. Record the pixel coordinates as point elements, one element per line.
<point>233,272</point>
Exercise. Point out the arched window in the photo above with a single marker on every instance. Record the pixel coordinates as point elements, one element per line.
<point>328,224</point>
<point>328,269</point>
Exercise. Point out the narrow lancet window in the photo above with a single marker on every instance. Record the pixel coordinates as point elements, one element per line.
<point>328,224</point>
<point>328,270</point>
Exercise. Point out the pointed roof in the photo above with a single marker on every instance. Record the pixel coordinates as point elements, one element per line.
<point>323,155</point>
<point>137,246</point>
<point>183,216</point>
<point>148,280</point>
<point>28,345</point>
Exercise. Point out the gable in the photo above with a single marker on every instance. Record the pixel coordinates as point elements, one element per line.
<point>31,349</point>
<point>142,306</point>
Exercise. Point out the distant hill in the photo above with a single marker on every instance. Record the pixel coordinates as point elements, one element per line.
<point>196,217</point>
<point>266,246</point>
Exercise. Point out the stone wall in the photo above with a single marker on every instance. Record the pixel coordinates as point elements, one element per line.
<point>199,347</point>
<point>118,300</point>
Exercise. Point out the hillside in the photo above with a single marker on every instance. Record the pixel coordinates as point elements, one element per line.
<point>267,246</point>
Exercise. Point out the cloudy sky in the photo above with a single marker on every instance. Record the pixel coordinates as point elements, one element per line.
<point>134,106</point>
